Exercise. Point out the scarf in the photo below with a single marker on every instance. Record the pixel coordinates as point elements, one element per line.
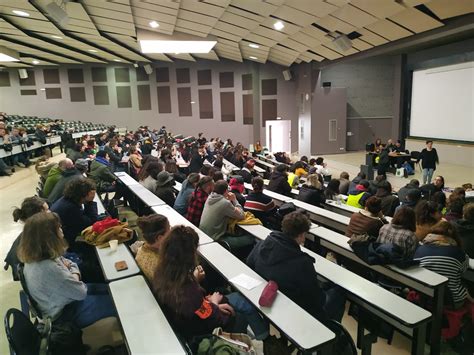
<point>439,240</point>
<point>102,161</point>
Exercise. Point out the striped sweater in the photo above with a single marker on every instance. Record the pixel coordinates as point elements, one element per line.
<point>449,261</point>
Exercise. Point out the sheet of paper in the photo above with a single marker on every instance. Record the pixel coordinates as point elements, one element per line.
<point>245,281</point>
<point>471,263</point>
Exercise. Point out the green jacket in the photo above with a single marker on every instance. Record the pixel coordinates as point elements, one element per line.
<point>101,174</point>
<point>53,177</point>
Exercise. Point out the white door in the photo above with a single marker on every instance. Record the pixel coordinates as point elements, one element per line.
<point>278,135</point>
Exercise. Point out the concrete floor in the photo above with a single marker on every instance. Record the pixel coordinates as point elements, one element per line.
<point>22,184</point>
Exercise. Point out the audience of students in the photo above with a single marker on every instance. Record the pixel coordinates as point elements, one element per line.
<point>78,171</point>
<point>55,174</point>
<point>311,191</point>
<point>279,180</point>
<point>367,221</point>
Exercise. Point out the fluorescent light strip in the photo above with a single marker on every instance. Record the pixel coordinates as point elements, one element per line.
<point>278,25</point>
<point>173,47</point>
<point>154,24</point>
<point>35,62</point>
<point>21,13</point>
<point>6,58</point>
<point>253,45</point>
<point>57,37</point>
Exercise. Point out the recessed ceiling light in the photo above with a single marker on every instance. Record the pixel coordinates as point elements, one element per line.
<point>278,25</point>
<point>154,24</point>
<point>21,13</point>
<point>57,37</point>
<point>253,45</point>
<point>117,60</point>
<point>35,61</point>
<point>252,57</point>
<point>92,50</point>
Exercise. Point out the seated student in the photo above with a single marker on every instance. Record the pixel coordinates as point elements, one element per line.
<point>430,189</point>
<point>355,181</point>
<point>101,172</point>
<point>222,206</point>
<point>344,183</point>
<point>412,198</point>
<point>80,169</point>
<point>454,208</point>
<point>135,160</point>
<point>384,161</point>
<point>198,156</point>
<point>439,198</point>
<point>198,199</point>
<point>280,258</point>
<point>74,218</point>
<point>279,180</point>
<point>54,281</point>
<point>427,216</point>
<point>359,195</point>
<point>414,184</point>
<point>188,306</point>
<point>401,231</point>
<point>29,207</point>
<point>367,221</point>
<point>331,192</point>
<point>164,188</point>
<point>149,173</point>
<point>187,188</point>
<point>172,168</point>
<point>114,151</point>
<point>465,228</point>
<point>248,171</point>
<point>389,201</point>
<point>293,179</point>
<point>299,168</point>
<point>311,191</point>
<point>441,251</point>
<point>322,168</point>
<point>236,186</point>
<point>43,165</point>
<point>55,174</point>
<point>374,184</point>
<point>261,205</point>
<point>153,227</point>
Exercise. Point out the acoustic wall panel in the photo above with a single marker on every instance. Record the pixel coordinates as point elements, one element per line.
<point>99,75</point>
<point>164,99</point>
<point>184,102</point>
<point>204,77</point>
<point>227,106</point>
<point>182,76</point>
<point>269,110</point>
<point>101,95</point>
<point>124,97</point>
<point>205,104</point>
<point>122,75</point>
<point>4,78</point>
<point>27,92</point>
<point>30,81</point>
<point>247,108</point>
<point>162,75</point>
<point>269,87</point>
<point>53,93</point>
<point>144,98</point>
<point>51,76</point>
<point>247,82</point>
<point>77,94</point>
<point>226,79</point>
<point>75,76</point>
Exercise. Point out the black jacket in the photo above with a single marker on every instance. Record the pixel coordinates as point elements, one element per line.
<point>196,163</point>
<point>402,193</point>
<point>429,158</point>
<point>279,183</point>
<point>312,195</point>
<point>465,230</point>
<point>280,259</point>
<point>246,175</point>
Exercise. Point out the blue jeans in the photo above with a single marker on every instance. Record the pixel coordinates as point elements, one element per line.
<point>97,305</point>
<point>247,314</point>
<point>427,175</point>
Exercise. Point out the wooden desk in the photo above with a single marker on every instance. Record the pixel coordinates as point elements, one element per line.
<point>108,258</point>
<point>144,324</point>
<point>301,328</point>
<point>176,219</point>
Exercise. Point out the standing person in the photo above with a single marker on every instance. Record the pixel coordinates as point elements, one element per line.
<point>384,161</point>
<point>429,159</point>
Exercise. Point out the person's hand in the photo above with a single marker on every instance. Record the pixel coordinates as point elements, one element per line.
<point>215,298</point>
<point>67,263</point>
<point>199,273</point>
<point>226,309</point>
<point>231,197</point>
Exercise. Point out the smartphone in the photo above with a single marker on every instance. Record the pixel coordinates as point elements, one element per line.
<point>121,265</point>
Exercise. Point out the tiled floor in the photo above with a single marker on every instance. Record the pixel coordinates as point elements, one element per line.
<point>22,184</point>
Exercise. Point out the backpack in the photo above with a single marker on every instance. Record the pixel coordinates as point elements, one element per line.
<point>66,338</point>
<point>408,168</point>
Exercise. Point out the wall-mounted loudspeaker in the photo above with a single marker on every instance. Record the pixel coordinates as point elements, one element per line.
<point>287,75</point>
<point>23,73</point>
<point>326,84</point>
<point>148,69</point>
<point>342,43</point>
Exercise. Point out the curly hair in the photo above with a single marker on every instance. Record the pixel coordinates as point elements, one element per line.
<point>77,189</point>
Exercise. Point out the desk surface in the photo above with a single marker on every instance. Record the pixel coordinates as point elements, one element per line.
<point>126,179</point>
<point>100,206</point>
<point>322,212</point>
<point>108,258</point>
<point>177,186</point>
<point>145,327</point>
<point>147,197</point>
<point>296,323</point>
<point>176,219</point>
<point>230,165</point>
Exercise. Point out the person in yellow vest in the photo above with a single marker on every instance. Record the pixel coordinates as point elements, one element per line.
<point>359,195</point>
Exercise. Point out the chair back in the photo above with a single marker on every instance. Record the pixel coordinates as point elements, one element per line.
<point>22,335</point>
<point>34,309</point>
<point>344,344</point>
<point>415,155</point>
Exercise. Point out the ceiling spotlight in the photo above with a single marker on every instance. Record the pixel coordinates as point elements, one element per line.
<point>252,57</point>
<point>57,37</point>
<point>21,13</point>
<point>35,61</point>
<point>92,50</point>
<point>135,65</point>
<point>278,25</point>
<point>154,24</point>
<point>253,45</point>
<point>117,60</point>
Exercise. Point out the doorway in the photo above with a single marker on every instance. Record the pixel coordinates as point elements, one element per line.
<point>278,135</point>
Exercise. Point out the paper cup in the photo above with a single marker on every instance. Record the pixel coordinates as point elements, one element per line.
<point>113,244</point>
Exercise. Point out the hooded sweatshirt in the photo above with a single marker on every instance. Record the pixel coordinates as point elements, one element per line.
<point>181,203</point>
<point>53,177</point>
<point>279,183</point>
<point>216,215</point>
<point>280,258</point>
